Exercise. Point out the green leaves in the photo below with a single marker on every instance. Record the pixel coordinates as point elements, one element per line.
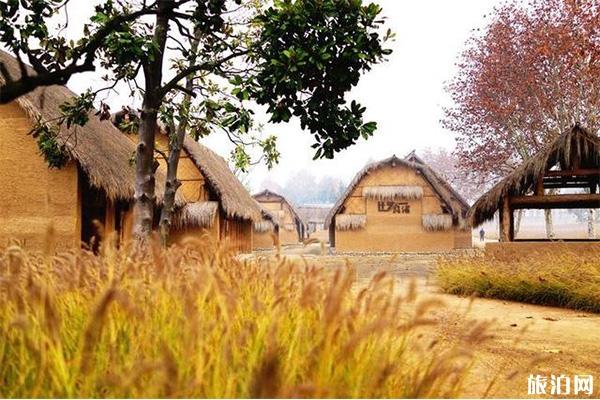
<point>54,152</point>
<point>270,152</point>
<point>311,53</point>
<point>76,111</point>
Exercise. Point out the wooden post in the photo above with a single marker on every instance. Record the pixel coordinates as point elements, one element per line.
<point>507,231</point>
<point>539,185</point>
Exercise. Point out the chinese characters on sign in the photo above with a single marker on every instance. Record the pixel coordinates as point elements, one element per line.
<point>560,385</point>
<point>393,206</point>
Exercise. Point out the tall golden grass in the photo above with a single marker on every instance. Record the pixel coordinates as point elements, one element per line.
<point>195,321</point>
<point>565,278</point>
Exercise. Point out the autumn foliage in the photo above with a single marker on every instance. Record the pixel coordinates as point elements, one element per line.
<point>530,74</point>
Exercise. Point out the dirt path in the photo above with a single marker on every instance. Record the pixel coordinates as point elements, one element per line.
<point>527,339</point>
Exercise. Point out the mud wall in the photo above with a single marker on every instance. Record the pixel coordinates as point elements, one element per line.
<point>32,196</point>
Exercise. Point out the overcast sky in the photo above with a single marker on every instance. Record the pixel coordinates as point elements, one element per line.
<point>404,96</point>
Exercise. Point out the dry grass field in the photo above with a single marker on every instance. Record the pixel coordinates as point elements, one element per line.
<point>187,323</point>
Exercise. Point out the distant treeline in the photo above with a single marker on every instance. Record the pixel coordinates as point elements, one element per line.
<point>303,187</point>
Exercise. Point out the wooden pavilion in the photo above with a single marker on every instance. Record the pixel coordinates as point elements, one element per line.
<point>571,161</point>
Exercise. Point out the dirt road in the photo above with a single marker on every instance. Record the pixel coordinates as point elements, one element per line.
<point>527,339</point>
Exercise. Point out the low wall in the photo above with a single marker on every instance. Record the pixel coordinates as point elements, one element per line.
<point>263,240</point>
<point>512,251</point>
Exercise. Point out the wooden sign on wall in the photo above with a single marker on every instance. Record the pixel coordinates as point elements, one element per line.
<point>395,207</point>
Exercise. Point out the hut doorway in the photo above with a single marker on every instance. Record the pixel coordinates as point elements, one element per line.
<point>93,213</point>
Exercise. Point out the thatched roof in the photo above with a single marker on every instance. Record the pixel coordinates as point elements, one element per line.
<point>268,223</point>
<point>314,213</point>
<point>455,204</point>
<point>413,157</point>
<point>235,200</point>
<point>99,148</point>
<point>560,152</point>
<point>268,196</point>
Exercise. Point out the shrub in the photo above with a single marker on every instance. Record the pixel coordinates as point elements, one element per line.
<point>565,279</point>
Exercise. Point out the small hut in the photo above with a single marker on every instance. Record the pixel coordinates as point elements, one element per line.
<point>266,231</point>
<point>290,227</point>
<point>214,200</point>
<point>237,211</point>
<point>97,183</point>
<point>571,162</point>
<point>398,205</point>
<point>314,215</point>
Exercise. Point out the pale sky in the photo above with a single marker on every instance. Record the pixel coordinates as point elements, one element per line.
<point>404,95</point>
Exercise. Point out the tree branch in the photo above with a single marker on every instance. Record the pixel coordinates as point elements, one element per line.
<point>206,66</point>
<point>12,89</point>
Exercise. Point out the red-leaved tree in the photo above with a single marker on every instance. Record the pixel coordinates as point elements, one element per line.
<point>445,163</point>
<point>533,72</point>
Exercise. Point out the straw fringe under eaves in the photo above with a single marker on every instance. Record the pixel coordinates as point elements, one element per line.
<point>393,192</point>
<point>201,214</point>
<point>349,222</point>
<point>437,222</point>
<point>263,226</point>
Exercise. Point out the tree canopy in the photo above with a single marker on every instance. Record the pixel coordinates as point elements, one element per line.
<point>528,76</point>
<point>200,62</point>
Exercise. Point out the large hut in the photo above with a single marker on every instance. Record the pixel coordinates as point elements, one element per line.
<point>570,162</point>
<point>286,225</point>
<point>96,184</point>
<point>215,201</point>
<point>398,205</point>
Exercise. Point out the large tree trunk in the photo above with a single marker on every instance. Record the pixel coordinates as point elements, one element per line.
<point>145,164</point>
<point>176,138</point>
<point>518,221</point>
<point>143,210</point>
<point>591,223</point>
<point>549,224</point>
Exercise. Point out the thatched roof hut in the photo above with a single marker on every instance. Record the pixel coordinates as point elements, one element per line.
<point>98,147</point>
<point>571,160</point>
<point>234,199</point>
<point>398,205</point>
<point>288,226</point>
<point>455,203</point>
